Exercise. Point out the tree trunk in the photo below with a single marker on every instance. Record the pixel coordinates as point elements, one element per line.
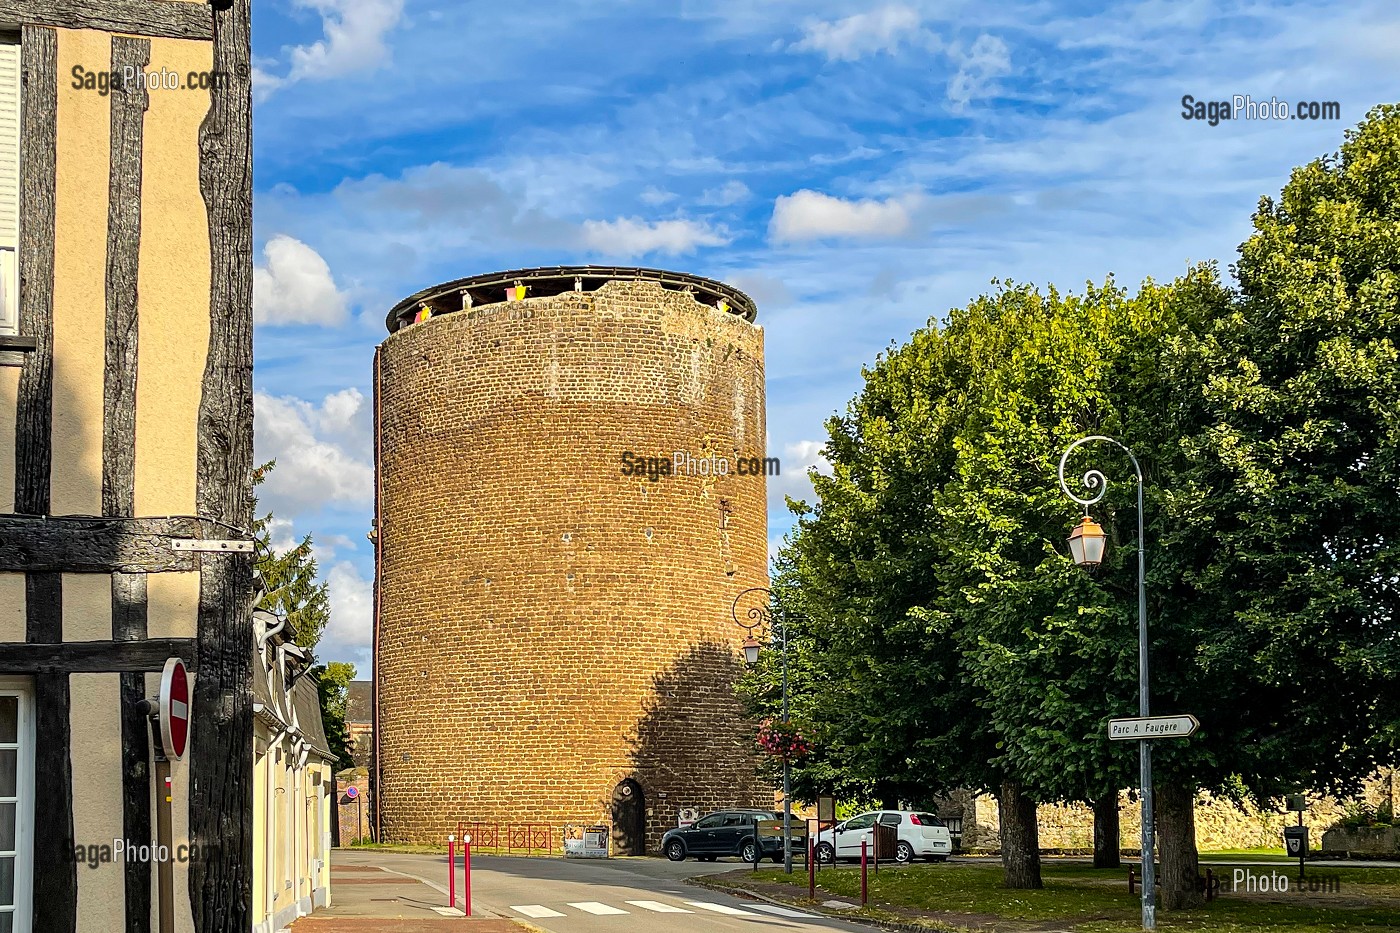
<point>1020,840</point>
<point>1176,842</point>
<point>1107,834</point>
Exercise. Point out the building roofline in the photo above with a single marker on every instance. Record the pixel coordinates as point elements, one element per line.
<point>552,280</point>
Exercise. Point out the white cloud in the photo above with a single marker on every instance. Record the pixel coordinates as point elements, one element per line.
<point>294,286</point>
<point>804,455</point>
<point>854,37</point>
<point>322,451</point>
<point>795,481</point>
<point>810,215</point>
<point>353,40</point>
<point>632,236</point>
<point>350,632</point>
<point>978,67</point>
<point>655,197</point>
<point>731,192</point>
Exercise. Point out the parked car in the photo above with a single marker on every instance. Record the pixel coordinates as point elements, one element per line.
<point>918,835</point>
<point>727,832</point>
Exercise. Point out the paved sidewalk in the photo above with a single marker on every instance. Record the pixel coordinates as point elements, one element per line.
<point>369,899</point>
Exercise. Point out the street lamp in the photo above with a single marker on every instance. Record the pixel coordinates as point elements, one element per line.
<point>1086,544</point>
<point>761,617</point>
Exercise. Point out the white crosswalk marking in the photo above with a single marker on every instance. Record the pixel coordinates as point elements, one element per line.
<point>784,911</point>
<point>537,911</point>
<point>593,907</point>
<point>659,907</point>
<point>723,909</point>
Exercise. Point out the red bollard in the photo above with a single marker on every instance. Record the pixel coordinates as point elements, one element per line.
<point>863,892</point>
<point>467,862</point>
<point>451,871</point>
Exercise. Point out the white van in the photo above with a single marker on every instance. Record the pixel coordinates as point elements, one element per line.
<point>919,834</point>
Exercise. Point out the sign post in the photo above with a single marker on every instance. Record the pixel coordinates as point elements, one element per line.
<point>1295,838</point>
<point>169,714</point>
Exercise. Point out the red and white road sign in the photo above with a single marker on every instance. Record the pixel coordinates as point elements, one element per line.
<point>174,709</point>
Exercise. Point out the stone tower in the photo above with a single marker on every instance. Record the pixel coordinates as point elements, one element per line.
<point>567,507</point>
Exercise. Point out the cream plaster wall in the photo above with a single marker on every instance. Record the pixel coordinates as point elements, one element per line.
<point>9,395</point>
<point>87,610</point>
<point>97,796</point>
<point>12,607</point>
<point>80,269</point>
<point>172,605</point>
<point>173,313</point>
<point>261,763</point>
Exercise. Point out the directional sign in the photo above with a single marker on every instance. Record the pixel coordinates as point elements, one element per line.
<point>174,708</point>
<point>1152,727</point>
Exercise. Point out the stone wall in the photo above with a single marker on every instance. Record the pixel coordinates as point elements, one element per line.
<point>1220,823</point>
<point>1364,841</point>
<point>550,627</point>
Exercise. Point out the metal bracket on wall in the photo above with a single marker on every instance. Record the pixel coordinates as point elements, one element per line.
<point>207,545</point>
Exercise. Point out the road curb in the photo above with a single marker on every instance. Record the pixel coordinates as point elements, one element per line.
<point>892,925</point>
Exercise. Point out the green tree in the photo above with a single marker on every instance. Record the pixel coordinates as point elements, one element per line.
<point>941,636</point>
<point>332,684</point>
<point>293,590</point>
<point>946,642</point>
<point>1275,536</point>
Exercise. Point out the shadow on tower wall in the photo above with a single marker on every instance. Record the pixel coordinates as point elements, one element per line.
<point>693,747</point>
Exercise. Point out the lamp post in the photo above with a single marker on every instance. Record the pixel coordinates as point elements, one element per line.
<point>760,617</point>
<point>1086,544</point>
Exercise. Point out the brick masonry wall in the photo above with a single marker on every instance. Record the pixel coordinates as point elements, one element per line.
<point>354,815</point>
<point>549,626</point>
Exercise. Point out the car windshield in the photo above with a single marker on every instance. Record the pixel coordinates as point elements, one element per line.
<point>928,819</point>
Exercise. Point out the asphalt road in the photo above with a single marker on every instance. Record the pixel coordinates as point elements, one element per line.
<point>632,895</point>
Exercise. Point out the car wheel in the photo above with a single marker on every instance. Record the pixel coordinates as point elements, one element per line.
<point>903,853</point>
<point>675,850</point>
<point>748,852</point>
<point>825,853</point>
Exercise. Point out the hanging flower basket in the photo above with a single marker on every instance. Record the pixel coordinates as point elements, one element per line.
<point>782,740</point>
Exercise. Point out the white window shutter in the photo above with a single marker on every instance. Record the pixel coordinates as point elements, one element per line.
<point>9,143</point>
<point>9,184</point>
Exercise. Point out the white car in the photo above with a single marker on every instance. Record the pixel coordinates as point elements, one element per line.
<point>919,835</point>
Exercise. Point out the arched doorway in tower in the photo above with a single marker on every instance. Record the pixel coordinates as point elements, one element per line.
<point>629,819</point>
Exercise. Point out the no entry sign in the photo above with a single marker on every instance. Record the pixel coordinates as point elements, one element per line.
<point>174,709</point>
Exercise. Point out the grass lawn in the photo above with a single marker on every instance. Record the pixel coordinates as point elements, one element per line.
<point>1261,854</point>
<point>1097,901</point>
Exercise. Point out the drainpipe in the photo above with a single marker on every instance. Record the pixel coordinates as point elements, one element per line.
<point>376,785</point>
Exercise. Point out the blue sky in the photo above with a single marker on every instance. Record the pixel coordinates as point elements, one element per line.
<point>857,168</point>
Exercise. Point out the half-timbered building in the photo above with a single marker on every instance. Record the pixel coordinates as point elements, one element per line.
<point>125,458</point>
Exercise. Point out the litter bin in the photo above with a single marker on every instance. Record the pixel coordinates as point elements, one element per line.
<point>1295,841</point>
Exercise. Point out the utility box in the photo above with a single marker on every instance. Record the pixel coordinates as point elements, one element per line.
<point>886,838</point>
<point>1295,841</point>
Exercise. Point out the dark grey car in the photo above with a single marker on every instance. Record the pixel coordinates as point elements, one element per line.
<point>724,832</point>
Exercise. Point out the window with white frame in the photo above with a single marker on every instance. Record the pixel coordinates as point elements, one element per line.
<point>16,804</point>
<point>9,184</point>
